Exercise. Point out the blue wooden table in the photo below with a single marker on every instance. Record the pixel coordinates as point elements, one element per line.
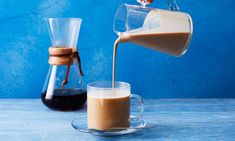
<point>178,119</point>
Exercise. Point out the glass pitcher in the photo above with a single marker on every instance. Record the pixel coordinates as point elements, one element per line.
<point>63,88</point>
<point>168,31</point>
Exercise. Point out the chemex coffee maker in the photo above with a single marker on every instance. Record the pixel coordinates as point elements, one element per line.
<point>63,88</point>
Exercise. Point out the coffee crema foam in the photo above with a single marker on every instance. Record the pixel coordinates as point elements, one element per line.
<point>108,94</point>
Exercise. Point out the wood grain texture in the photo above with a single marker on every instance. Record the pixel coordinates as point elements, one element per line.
<point>176,119</point>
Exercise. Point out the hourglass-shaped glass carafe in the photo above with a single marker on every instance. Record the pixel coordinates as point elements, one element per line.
<point>63,89</point>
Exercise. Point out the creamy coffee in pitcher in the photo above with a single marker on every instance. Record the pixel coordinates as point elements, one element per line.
<point>158,33</point>
<point>173,43</point>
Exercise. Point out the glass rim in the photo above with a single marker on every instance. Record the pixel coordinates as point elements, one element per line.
<point>124,85</point>
<point>127,8</point>
<point>79,19</point>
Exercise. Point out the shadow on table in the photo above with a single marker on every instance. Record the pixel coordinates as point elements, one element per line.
<point>157,132</point>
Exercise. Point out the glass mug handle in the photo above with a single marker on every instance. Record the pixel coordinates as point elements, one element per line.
<point>141,103</point>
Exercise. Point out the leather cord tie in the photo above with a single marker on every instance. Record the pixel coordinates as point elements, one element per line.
<point>64,56</point>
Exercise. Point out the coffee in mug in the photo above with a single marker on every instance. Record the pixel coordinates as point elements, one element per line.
<point>108,107</point>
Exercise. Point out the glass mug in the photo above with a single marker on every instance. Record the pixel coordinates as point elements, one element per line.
<point>168,31</point>
<point>109,108</point>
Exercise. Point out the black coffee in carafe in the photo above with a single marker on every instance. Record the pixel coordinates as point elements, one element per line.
<point>63,88</point>
<point>65,99</point>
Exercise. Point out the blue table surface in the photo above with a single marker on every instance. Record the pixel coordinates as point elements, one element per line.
<point>176,119</point>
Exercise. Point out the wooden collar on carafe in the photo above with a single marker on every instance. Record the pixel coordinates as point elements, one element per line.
<point>60,55</point>
<point>64,56</point>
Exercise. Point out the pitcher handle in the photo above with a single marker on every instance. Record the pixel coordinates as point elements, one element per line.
<point>172,4</point>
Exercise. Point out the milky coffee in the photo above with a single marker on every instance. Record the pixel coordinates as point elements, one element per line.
<point>108,109</point>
